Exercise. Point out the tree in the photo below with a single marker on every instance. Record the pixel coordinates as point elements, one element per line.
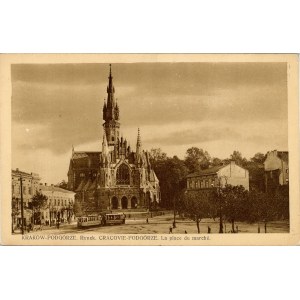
<point>63,184</point>
<point>78,209</point>
<point>196,159</point>
<point>171,173</point>
<point>198,206</point>
<point>38,203</point>
<point>216,161</point>
<point>234,200</point>
<point>157,155</point>
<point>237,157</point>
<point>258,158</point>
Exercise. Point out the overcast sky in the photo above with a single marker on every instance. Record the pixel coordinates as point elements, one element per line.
<point>220,107</point>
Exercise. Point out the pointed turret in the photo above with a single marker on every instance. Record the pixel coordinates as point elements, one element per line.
<point>117,111</point>
<point>111,113</point>
<point>104,110</point>
<point>139,148</point>
<point>138,142</point>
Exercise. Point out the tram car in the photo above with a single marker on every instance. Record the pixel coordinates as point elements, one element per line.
<point>113,219</point>
<point>101,220</point>
<point>91,220</point>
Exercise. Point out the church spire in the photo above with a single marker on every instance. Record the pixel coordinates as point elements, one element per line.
<point>111,113</point>
<point>138,143</point>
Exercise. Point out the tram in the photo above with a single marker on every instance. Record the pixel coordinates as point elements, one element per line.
<point>113,219</point>
<point>88,221</point>
<point>101,220</point>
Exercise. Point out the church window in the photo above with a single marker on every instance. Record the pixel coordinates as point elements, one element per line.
<point>123,174</point>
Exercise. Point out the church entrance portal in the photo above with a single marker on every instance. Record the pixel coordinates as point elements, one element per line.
<point>148,200</point>
<point>114,203</point>
<point>124,202</point>
<point>133,202</point>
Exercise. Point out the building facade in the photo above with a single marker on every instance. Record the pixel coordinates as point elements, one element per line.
<point>30,184</point>
<point>60,203</point>
<point>116,177</point>
<point>276,168</point>
<point>218,176</point>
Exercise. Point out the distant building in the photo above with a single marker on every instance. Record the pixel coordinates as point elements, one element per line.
<point>276,168</point>
<point>60,204</point>
<point>116,177</point>
<point>30,183</point>
<point>218,176</point>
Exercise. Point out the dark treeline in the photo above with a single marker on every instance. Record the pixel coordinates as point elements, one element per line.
<point>236,203</point>
<point>171,171</point>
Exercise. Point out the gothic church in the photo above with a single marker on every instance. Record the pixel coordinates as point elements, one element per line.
<point>116,178</point>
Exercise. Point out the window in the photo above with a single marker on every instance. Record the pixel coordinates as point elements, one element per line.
<point>29,190</point>
<point>287,171</point>
<point>123,175</point>
<point>206,183</point>
<point>82,175</point>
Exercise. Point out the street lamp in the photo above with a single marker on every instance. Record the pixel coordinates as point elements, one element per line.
<point>22,204</point>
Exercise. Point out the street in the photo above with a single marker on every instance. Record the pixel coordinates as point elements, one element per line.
<point>161,225</point>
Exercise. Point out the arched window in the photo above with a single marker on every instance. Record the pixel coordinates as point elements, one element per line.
<point>123,174</point>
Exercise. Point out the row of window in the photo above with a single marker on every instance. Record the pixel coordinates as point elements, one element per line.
<point>196,184</point>
<point>17,190</point>
<point>62,202</point>
<point>83,175</point>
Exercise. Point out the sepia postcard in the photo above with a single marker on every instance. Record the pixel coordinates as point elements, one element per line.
<point>149,149</point>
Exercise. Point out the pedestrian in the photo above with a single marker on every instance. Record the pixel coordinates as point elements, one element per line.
<point>185,232</point>
<point>147,221</point>
<point>170,229</point>
<point>208,229</point>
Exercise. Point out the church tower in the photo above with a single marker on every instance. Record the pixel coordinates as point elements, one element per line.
<point>111,114</point>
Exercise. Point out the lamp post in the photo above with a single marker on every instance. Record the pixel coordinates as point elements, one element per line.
<point>22,205</point>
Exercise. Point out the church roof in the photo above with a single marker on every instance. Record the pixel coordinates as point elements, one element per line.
<point>153,177</point>
<point>81,185</point>
<point>86,159</point>
<point>209,171</point>
<point>54,189</point>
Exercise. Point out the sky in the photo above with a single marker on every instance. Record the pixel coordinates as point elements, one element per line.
<point>219,107</point>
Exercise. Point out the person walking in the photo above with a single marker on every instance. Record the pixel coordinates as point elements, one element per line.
<point>170,229</point>
<point>208,229</point>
